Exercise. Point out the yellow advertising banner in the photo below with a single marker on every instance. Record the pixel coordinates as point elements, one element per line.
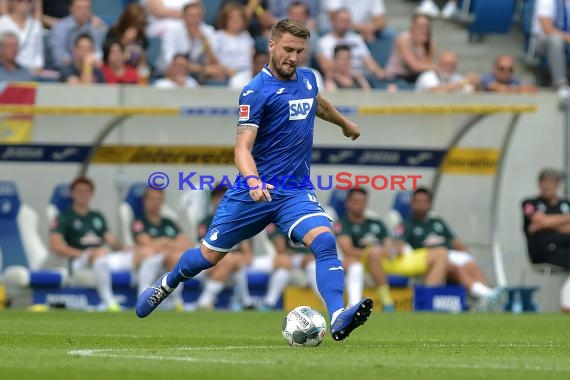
<point>471,161</point>
<point>175,154</point>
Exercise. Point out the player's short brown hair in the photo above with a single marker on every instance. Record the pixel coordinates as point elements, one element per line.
<point>289,26</point>
<point>82,180</point>
<point>550,173</point>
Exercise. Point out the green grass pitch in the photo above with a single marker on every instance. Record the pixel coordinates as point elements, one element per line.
<point>224,345</point>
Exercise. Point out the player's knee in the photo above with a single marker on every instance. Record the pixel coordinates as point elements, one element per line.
<point>324,246</point>
<point>212,256</point>
<point>438,254</point>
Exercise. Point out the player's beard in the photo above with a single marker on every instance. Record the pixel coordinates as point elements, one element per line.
<point>278,68</point>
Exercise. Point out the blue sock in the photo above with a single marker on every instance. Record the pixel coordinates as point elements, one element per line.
<point>330,282</point>
<point>190,264</point>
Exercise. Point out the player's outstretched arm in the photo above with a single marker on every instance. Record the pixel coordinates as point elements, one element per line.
<point>245,163</point>
<point>326,111</point>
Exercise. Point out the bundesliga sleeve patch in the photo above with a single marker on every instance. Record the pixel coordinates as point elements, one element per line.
<point>528,209</point>
<point>138,226</point>
<point>244,112</point>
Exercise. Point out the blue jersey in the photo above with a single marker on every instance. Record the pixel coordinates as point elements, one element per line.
<point>284,113</point>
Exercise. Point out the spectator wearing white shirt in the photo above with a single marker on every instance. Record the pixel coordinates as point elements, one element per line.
<point>162,14</point>
<point>194,37</point>
<point>444,78</point>
<point>282,8</point>
<point>551,28</point>
<point>21,22</point>
<point>234,46</point>
<point>368,16</point>
<point>177,75</point>
<point>362,61</point>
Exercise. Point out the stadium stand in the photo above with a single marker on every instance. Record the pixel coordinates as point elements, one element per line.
<point>490,17</point>
<point>108,10</point>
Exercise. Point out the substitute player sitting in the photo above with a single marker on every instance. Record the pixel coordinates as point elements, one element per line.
<point>277,111</point>
<point>422,230</point>
<point>162,237</point>
<point>365,242</point>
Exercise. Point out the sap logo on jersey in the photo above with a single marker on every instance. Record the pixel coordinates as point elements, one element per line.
<point>300,108</point>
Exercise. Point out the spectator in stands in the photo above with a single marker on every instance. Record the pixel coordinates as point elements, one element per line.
<point>64,34</point>
<point>444,79</point>
<point>413,51</point>
<point>114,68</point>
<point>53,11</point>
<point>83,67</point>
<point>10,70</point>
<point>233,264</point>
<point>130,31</point>
<point>177,74</point>
<point>259,19</point>
<point>234,46</point>
<point>429,8</point>
<point>20,21</point>
<point>547,228</point>
<point>81,234</point>
<point>552,31</point>
<point>368,16</point>
<point>195,38</point>
<point>364,242</point>
<point>162,14</point>
<point>162,238</point>
<point>422,230</point>
<point>288,256</point>
<point>301,12</point>
<point>502,79</point>
<point>305,11</point>
<point>361,62</point>
<point>342,75</point>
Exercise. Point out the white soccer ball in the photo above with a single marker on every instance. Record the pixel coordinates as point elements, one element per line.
<point>304,327</point>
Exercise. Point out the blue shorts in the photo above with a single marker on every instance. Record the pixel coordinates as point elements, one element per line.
<point>239,218</point>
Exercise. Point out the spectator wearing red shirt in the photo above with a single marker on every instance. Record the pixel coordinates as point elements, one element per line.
<point>114,67</point>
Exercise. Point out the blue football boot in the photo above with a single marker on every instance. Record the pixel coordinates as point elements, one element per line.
<point>350,319</point>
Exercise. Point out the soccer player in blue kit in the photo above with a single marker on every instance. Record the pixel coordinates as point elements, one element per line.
<point>273,149</point>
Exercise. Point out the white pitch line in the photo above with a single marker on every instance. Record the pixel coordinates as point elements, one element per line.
<point>123,354</point>
<point>107,354</point>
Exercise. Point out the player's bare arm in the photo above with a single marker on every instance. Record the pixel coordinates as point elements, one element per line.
<point>245,163</point>
<point>459,245</point>
<point>327,112</point>
<point>58,245</point>
<point>346,246</point>
<point>543,221</point>
<point>112,241</point>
